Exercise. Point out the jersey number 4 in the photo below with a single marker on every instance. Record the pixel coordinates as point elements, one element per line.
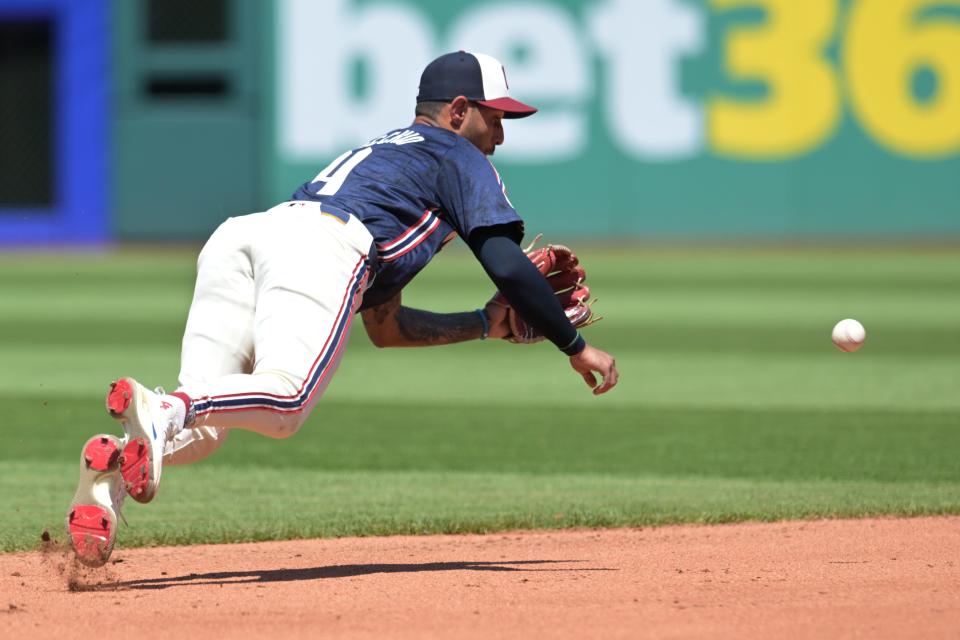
<point>337,171</point>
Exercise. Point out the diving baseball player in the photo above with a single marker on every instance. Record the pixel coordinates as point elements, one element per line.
<point>277,291</point>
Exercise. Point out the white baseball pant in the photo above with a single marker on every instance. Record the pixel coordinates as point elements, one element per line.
<point>275,297</point>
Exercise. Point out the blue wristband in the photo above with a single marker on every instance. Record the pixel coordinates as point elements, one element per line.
<point>486,324</point>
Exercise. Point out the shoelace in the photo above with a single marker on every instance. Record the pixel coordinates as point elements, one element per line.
<point>119,493</point>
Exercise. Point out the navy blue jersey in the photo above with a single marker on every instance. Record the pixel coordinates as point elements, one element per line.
<point>413,189</point>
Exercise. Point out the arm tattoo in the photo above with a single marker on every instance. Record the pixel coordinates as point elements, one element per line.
<point>425,328</point>
<point>390,324</point>
<point>383,311</point>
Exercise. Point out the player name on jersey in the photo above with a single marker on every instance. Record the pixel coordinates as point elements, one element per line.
<point>397,137</point>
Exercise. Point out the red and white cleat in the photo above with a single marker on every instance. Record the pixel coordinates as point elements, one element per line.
<point>146,423</point>
<point>92,517</point>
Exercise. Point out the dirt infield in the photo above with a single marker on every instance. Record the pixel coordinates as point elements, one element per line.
<point>888,578</point>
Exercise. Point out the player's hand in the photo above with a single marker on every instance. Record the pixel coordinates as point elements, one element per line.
<point>499,318</point>
<point>590,360</point>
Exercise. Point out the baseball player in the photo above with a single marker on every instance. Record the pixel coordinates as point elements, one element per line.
<point>276,292</point>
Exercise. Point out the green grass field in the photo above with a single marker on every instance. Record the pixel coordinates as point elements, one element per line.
<point>733,404</point>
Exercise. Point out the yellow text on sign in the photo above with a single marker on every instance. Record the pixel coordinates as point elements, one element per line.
<point>802,107</point>
<point>885,43</point>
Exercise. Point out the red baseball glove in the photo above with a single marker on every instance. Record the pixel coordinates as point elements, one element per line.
<point>563,271</point>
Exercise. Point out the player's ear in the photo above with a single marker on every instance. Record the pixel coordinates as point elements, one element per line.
<point>458,111</point>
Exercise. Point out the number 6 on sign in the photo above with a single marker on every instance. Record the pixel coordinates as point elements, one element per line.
<point>888,42</point>
<point>336,172</point>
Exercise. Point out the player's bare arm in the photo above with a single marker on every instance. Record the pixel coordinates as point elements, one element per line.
<point>393,325</point>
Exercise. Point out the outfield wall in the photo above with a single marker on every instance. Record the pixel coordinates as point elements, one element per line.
<point>659,118</point>
<point>663,117</point>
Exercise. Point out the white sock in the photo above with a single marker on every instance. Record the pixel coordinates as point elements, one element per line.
<point>175,411</point>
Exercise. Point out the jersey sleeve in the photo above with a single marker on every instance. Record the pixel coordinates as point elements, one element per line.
<point>471,191</point>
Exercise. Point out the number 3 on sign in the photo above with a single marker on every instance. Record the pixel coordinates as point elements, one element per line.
<point>888,43</point>
<point>787,53</point>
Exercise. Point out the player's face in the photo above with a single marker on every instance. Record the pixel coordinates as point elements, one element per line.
<point>483,127</point>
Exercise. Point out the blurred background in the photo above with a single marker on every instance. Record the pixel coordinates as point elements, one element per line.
<point>156,119</point>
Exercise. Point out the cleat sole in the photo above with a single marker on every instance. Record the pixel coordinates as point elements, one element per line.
<point>90,534</point>
<point>136,461</point>
<point>101,453</point>
<point>119,396</point>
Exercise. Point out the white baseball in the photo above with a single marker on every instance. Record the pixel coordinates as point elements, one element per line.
<point>849,335</point>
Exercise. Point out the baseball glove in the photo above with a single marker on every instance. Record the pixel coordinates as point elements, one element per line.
<point>566,276</point>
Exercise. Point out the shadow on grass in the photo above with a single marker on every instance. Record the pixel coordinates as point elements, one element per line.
<point>334,571</point>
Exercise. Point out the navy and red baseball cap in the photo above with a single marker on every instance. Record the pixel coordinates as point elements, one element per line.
<point>476,76</point>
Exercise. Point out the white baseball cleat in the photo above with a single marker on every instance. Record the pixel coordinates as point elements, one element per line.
<point>146,422</point>
<point>92,516</point>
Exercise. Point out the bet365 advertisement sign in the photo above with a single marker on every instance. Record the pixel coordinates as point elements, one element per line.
<point>659,117</point>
